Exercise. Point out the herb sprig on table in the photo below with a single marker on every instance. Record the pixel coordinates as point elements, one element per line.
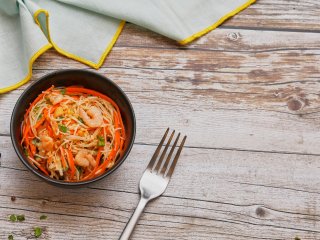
<point>37,231</point>
<point>16,218</point>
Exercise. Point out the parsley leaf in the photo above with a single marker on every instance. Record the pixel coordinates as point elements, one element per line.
<point>20,218</point>
<point>63,91</point>
<point>25,151</point>
<point>48,100</point>
<point>79,169</point>
<point>80,120</point>
<point>101,142</point>
<point>13,218</point>
<point>43,217</point>
<point>10,237</point>
<point>37,232</point>
<point>36,108</point>
<point>40,116</point>
<point>35,141</point>
<point>63,128</point>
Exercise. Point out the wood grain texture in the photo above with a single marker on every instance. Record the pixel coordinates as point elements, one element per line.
<point>281,15</point>
<point>250,90</point>
<point>246,95</point>
<point>253,199</point>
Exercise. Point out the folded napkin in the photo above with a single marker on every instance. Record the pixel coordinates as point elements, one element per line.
<point>86,30</point>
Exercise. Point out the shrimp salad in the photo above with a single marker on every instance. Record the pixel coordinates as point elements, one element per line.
<point>72,133</point>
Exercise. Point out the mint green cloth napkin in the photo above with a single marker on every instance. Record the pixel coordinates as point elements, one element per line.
<point>86,30</point>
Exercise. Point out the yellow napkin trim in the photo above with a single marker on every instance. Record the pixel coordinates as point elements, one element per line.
<point>70,55</point>
<point>216,24</point>
<point>27,78</point>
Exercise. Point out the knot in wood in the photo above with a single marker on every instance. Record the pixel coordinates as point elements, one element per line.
<point>295,104</point>
<point>233,36</point>
<point>260,212</point>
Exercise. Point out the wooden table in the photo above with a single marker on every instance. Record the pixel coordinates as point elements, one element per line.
<point>247,96</point>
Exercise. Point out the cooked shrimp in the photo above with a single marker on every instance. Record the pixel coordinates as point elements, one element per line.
<point>84,159</point>
<point>55,98</point>
<point>93,117</point>
<point>46,143</point>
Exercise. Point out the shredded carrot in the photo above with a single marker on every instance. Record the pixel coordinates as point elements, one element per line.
<point>71,164</point>
<point>52,109</point>
<point>33,149</point>
<point>49,129</point>
<point>42,169</point>
<point>25,133</point>
<point>63,159</point>
<point>39,123</point>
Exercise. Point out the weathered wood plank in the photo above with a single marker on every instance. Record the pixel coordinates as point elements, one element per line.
<point>283,14</point>
<point>242,98</point>
<point>224,39</point>
<point>236,195</point>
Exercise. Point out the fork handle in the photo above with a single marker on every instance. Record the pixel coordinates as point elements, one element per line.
<point>134,219</point>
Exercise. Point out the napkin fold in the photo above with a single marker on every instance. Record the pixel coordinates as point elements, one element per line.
<point>87,30</point>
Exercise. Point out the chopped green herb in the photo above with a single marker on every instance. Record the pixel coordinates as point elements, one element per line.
<point>40,116</point>
<point>63,91</point>
<point>36,108</point>
<point>13,218</point>
<point>10,237</point>
<point>101,142</point>
<point>25,151</point>
<point>48,100</point>
<point>35,141</point>
<point>43,217</point>
<point>20,218</point>
<point>79,169</point>
<point>37,232</point>
<point>80,120</point>
<point>63,128</point>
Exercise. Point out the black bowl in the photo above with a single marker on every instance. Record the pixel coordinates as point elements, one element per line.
<point>88,80</point>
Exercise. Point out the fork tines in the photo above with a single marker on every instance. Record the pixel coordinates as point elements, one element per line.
<point>162,165</point>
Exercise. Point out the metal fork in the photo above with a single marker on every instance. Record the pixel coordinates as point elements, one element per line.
<point>155,179</point>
